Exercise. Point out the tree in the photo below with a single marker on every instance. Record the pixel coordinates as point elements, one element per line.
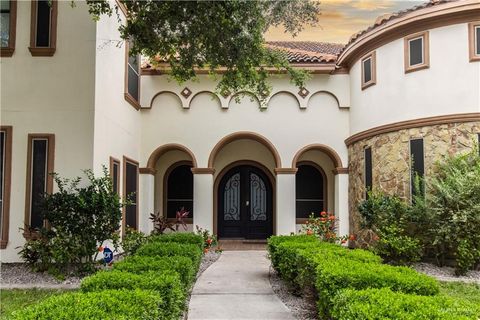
<point>212,35</point>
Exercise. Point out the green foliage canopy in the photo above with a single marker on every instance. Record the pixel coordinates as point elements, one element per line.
<point>212,35</point>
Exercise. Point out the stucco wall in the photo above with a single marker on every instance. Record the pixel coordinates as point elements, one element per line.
<point>391,158</point>
<point>450,85</point>
<point>49,95</point>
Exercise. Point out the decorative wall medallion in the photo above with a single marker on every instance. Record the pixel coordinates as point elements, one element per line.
<point>186,93</point>
<point>225,94</point>
<point>303,92</point>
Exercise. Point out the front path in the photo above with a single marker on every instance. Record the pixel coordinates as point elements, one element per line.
<point>236,286</point>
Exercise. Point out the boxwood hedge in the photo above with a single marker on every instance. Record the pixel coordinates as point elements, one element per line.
<point>169,249</point>
<point>139,264</point>
<point>107,304</point>
<point>180,237</point>
<point>386,304</point>
<point>167,283</point>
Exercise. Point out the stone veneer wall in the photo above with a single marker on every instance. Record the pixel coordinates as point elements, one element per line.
<point>391,159</point>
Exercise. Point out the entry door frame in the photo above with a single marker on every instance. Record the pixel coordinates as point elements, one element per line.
<point>257,165</point>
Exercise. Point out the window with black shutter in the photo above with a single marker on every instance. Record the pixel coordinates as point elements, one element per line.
<point>368,170</point>
<point>417,55</point>
<point>131,193</point>
<point>132,81</point>
<point>310,190</point>
<point>8,19</point>
<point>5,182</point>
<point>43,33</point>
<point>418,167</point>
<point>115,174</point>
<point>179,190</point>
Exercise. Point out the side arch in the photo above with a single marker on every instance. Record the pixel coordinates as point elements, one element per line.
<point>212,94</point>
<point>330,152</point>
<point>244,135</point>
<point>160,151</point>
<point>287,93</point>
<point>164,92</point>
<point>324,92</point>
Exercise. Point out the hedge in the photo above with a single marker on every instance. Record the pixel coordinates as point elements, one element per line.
<point>386,304</point>
<point>180,237</point>
<point>274,241</point>
<point>139,264</point>
<point>167,283</point>
<point>107,304</point>
<point>169,249</point>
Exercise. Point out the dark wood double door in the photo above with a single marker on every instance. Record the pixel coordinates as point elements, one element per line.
<point>245,204</point>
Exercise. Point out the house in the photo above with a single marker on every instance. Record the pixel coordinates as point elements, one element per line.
<point>406,88</point>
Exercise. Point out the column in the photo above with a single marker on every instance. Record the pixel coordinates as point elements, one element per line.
<point>341,203</point>
<point>285,201</point>
<point>146,203</point>
<point>203,198</point>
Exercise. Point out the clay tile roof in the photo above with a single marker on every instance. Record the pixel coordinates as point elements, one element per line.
<point>307,51</point>
<point>383,19</point>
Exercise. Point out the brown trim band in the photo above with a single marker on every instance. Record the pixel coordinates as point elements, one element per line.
<point>340,171</point>
<point>285,170</point>
<point>115,161</point>
<point>43,51</point>
<point>146,170</point>
<point>423,122</point>
<point>160,151</point>
<point>8,50</point>
<point>330,152</point>
<point>7,183</point>
<point>203,170</point>
<point>49,180</point>
<point>472,55</point>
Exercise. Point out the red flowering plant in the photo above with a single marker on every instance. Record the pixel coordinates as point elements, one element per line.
<point>209,240</point>
<point>324,228</point>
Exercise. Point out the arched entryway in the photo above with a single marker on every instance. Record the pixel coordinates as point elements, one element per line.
<point>244,201</point>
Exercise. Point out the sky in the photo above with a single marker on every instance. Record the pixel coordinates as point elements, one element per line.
<point>340,19</point>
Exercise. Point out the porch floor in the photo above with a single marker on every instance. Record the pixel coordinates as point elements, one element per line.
<point>242,244</point>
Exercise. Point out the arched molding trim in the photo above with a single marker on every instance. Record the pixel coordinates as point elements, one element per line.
<point>160,151</point>
<point>244,135</point>
<point>227,168</point>
<point>325,187</point>
<point>163,92</point>
<point>330,152</point>
<point>242,94</point>
<point>212,94</point>
<point>165,187</point>
<point>324,92</point>
<point>287,93</point>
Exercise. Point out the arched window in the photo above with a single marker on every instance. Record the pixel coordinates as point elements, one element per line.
<point>311,190</point>
<point>179,189</point>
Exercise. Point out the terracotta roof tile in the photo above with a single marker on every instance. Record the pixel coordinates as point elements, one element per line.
<point>307,51</point>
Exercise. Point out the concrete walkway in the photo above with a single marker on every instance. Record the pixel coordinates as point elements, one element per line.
<point>236,286</point>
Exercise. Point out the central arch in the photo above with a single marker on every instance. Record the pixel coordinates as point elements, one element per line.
<point>244,135</point>
<point>227,170</point>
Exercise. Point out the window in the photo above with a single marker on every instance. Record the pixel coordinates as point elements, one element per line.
<point>369,70</point>
<point>5,180</point>
<point>417,163</point>
<point>43,28</point>
<point>115,174</point>
<point>8,24</point>
<point>368,171</point>
<point>416,53</point>
<point>474,40</point>
<point>130,191</point>
<point>310,190</point>
<point>39,179</point>
<point>132,78</point>
<point>179,189</point>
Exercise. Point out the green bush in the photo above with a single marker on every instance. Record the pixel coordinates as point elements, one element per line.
<point>275,241</point>
<point>108,304</point>
<point>333,275</point>
<point>167,283</point>
<point>168,249</point>
<point>179,237</point>
<point>133,240</point>
<point>386,304</point>
<point>139,264</point>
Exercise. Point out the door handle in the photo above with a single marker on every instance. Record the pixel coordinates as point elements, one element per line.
<point>247,203</point>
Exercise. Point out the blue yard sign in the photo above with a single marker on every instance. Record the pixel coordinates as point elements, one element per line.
<point>107,255</point>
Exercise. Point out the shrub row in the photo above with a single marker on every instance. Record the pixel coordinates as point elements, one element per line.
<point>151,284</point>
<point>351,283</point>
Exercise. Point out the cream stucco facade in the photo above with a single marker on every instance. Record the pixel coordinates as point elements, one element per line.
<point>78,96</point>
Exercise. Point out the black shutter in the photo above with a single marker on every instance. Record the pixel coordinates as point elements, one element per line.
<point>132,195</point>
<point>418,166</point>
<point>2,174</point>
<point>43,24</point>
<point>368,171</point>
<point>39,180</point>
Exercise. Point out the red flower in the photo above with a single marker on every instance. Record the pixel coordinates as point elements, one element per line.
<point>309,232</point>
<point>331,218</point>
<point>323,219</point>
<point>205,250</point>
<point>352,237</point>
<point>344,241</point>
<point>323,213</point>
<point>100,249</point>
<point>209,241</point>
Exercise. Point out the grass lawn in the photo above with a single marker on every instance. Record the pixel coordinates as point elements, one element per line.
<point>16,299</point>
<point>466,291</point>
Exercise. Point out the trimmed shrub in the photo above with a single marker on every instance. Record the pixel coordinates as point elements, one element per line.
<point>180,237</point>
<point>275,241</point>
<point>140,264</point>
<point>168,249</point>
<point>167,283</point>
<point>386,304</point>
<point>333,275</point>
<point>107,304</point>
